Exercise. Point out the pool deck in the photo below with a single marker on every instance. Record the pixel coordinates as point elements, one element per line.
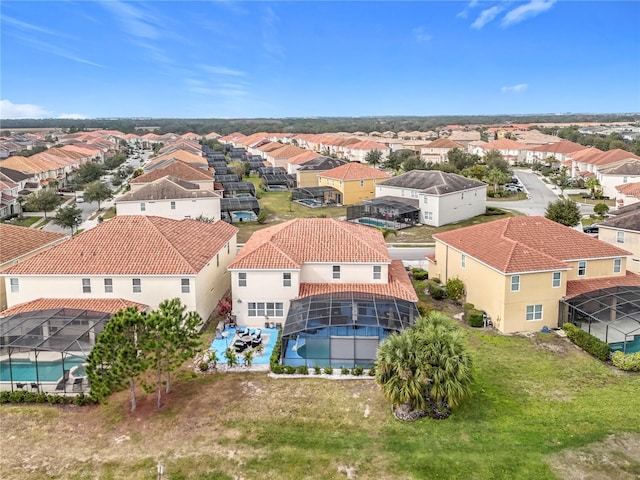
<point>225,339</point>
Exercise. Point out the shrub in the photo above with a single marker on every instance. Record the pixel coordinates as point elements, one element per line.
<point>420,274</point>
<point>303,370</point>
<point>262,217</point>
<point>474,318</point>
<point>24,396</point>
<point>454,289</point>
<point>493,211</point>
<point>358,370</point>
<point>436,280</point>
<point>328,370</point>
<point>436,291</point>
<point>277,369</point>
<point>317,370</point>
<point>372,371</point>
<point>629,362</point>
<point>289,370</point>
<point>274,360</point>
<point>468,307</point>
<point>587,342</point>
<point>344,371</point>
<point>422,310</point>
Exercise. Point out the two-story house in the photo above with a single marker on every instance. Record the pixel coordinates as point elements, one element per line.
<point>355,182</point>
<point>331,284</point>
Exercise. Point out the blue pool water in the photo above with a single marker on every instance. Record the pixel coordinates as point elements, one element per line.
<point>243,215</point>
<point>277,188</point>
<point>221,343</point>
<point>632,346</point>
<point>374,223</point>
<point>309,202</point>
<point>25,370</point>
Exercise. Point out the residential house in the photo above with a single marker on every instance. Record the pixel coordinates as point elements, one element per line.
<point>280,157</point>
<point>9,198</point>
<point>136,258</point>
<point>623,230</point>
<point>627,194</point>
<point>293,163</point>
<point>559,150</point>
<point>18,244</point>
<point>187,157</point>
<point>511,151</point>
<point>358,152</point>
<point>307,172</point>
<point>178,169</point>
<point>354,181</point>
<point>171,197</point>
<point>438,150</point>
<point>442,197</point>
<point>331,284</point>
<point>520,270</point>
<point>616,174</point>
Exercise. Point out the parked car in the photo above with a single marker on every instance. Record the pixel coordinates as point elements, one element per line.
<point>594,228</point>
<point>510,187</point>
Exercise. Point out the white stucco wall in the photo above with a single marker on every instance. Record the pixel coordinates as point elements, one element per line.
<point>610,182</point>
<point>349,273</point>
<point>184,208</point>
<point>202,185</point>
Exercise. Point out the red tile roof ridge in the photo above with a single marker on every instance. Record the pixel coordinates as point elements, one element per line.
<point>578,287</point>
<point>106,305</point>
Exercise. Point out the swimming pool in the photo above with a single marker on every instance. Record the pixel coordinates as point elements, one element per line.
<point>277,188</point>
<point>25,370</point>
<point>221,343</point>
<point>309,202</point>
<point>243,215</point>
<point>371,222</point>
<point>633,346</point>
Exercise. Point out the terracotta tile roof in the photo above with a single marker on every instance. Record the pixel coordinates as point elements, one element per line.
<point>631,189</point>
<point>613,156</point>
<point>167,188</point>
<point>354,171</point>
<point>303,157</point>
<point>271,146</point>
<point>180,155</point>
<point>18,241</point>
<point>443,143</point>
<point>397,288</point>
<point>578,287</point>
<point>504,144</point>
<point>178,169</point>
<point>286,151</point>
<point>564,146</point>
<point>133,245</point>
<point>580,155</point>
<point>107,305</point>
<point>367,145</point>
<point>527,244</point>
<point>292,243</point>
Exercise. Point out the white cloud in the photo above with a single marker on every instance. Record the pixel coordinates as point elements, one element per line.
<point>529,10</point>
<point>30,26</point>
<point>135,21</point>
<point>270,40</point>
<point>420,35</point>
<point>9,109</point>
<point>520,87</point>
<point>486,16</point>
<point>72,116</point>
<point>219,70</point>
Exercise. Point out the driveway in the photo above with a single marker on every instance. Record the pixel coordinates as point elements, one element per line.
<point>540,194</point>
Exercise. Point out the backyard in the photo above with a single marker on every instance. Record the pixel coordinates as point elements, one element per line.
<point>541,409</point>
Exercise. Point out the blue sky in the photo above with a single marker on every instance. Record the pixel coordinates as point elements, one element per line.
<point>225,59</point>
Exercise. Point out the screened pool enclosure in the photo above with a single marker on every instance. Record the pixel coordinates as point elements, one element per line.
<point>342,329</point>
<point>611,314</point>
<point>45,350</point>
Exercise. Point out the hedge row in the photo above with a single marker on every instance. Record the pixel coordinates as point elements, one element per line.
<point>588,342</point>
<point>24,396</point>
<point>629,362</point>
<point>274,360</point>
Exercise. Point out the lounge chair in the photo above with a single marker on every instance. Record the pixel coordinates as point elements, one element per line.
<point>35,386</point>
<point>20,386</point>
<point>256,341</point>
<point>77,384</point>
<point>240,346</point>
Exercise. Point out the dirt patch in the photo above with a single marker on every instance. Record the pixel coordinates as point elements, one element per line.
<point>615,458</point>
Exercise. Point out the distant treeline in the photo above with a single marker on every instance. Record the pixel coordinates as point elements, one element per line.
<point>301,124</point>
<point>603,142</point>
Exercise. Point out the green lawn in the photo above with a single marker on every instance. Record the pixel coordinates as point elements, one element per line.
<point>538,402</point>
<point>25,221</point>
<point>578,198</point>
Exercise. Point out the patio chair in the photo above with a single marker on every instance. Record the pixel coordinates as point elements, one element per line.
<point>35,386</point>
<point>77,384</point>
<point>20,386</point>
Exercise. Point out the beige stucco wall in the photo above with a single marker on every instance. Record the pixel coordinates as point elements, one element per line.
<point>597,268</point>
<point>202,185</point>
<point>185,208</point>
<point>631,244</point>
<point>307,178</point>
<point>352,191</point>
<point>349,273</point>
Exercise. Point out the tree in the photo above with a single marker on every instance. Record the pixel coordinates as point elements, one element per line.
<point>115,161</point>
<point>374,157</point>
<point>87,173</point>
<point>43,200</point>
<point>21,201</point>
<point>117,359</point>
<point>387,232</point>
<point>425,369</point>
<point>172,338</point>
<point>413,163</point>
<point>494,159</point>
<point>561,179</point>
<point>600,209</point>
<point>97,192</point>
<point>564,211</point>
<point>395,159</point>
<point>68,217</point>
<point>592,184</point>
<point>478,172</point>
<point>497,177</point>
<point>462,160</point>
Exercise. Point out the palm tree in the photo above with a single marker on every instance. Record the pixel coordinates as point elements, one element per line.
<point>425,367</point>
<point>387,232</point>
<point>592,184</point>
<point>248,357</point>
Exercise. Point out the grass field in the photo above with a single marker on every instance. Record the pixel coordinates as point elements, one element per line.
<point>609,202</point>
<point>25,221</point>
<point>541,409</point>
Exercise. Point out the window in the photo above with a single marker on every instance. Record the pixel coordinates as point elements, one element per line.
<point>617,265</point>
<point>15,285</point>
<point>515,283</point>
<point>286,279</point>
<point>620,237</point>
<point>137,285</point>
<point>582,268</point>
<point>462,196</point>
<point>228,248</point>
<point>362,183</point>
<point>463,261</point>
<point>269,309</point>
<point>428,215</point>
<point>143,207</point>
<point>217,259</point>
<point>336,272</point>
<point>173,205</point>
<point>625,179</point>
<point>534,312</point>
<point>86,285</point>
<point>556,277</point>
<point>242,279</point>
<point>108,285</point>
<point>377,272</point>
<point>184,285</point>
